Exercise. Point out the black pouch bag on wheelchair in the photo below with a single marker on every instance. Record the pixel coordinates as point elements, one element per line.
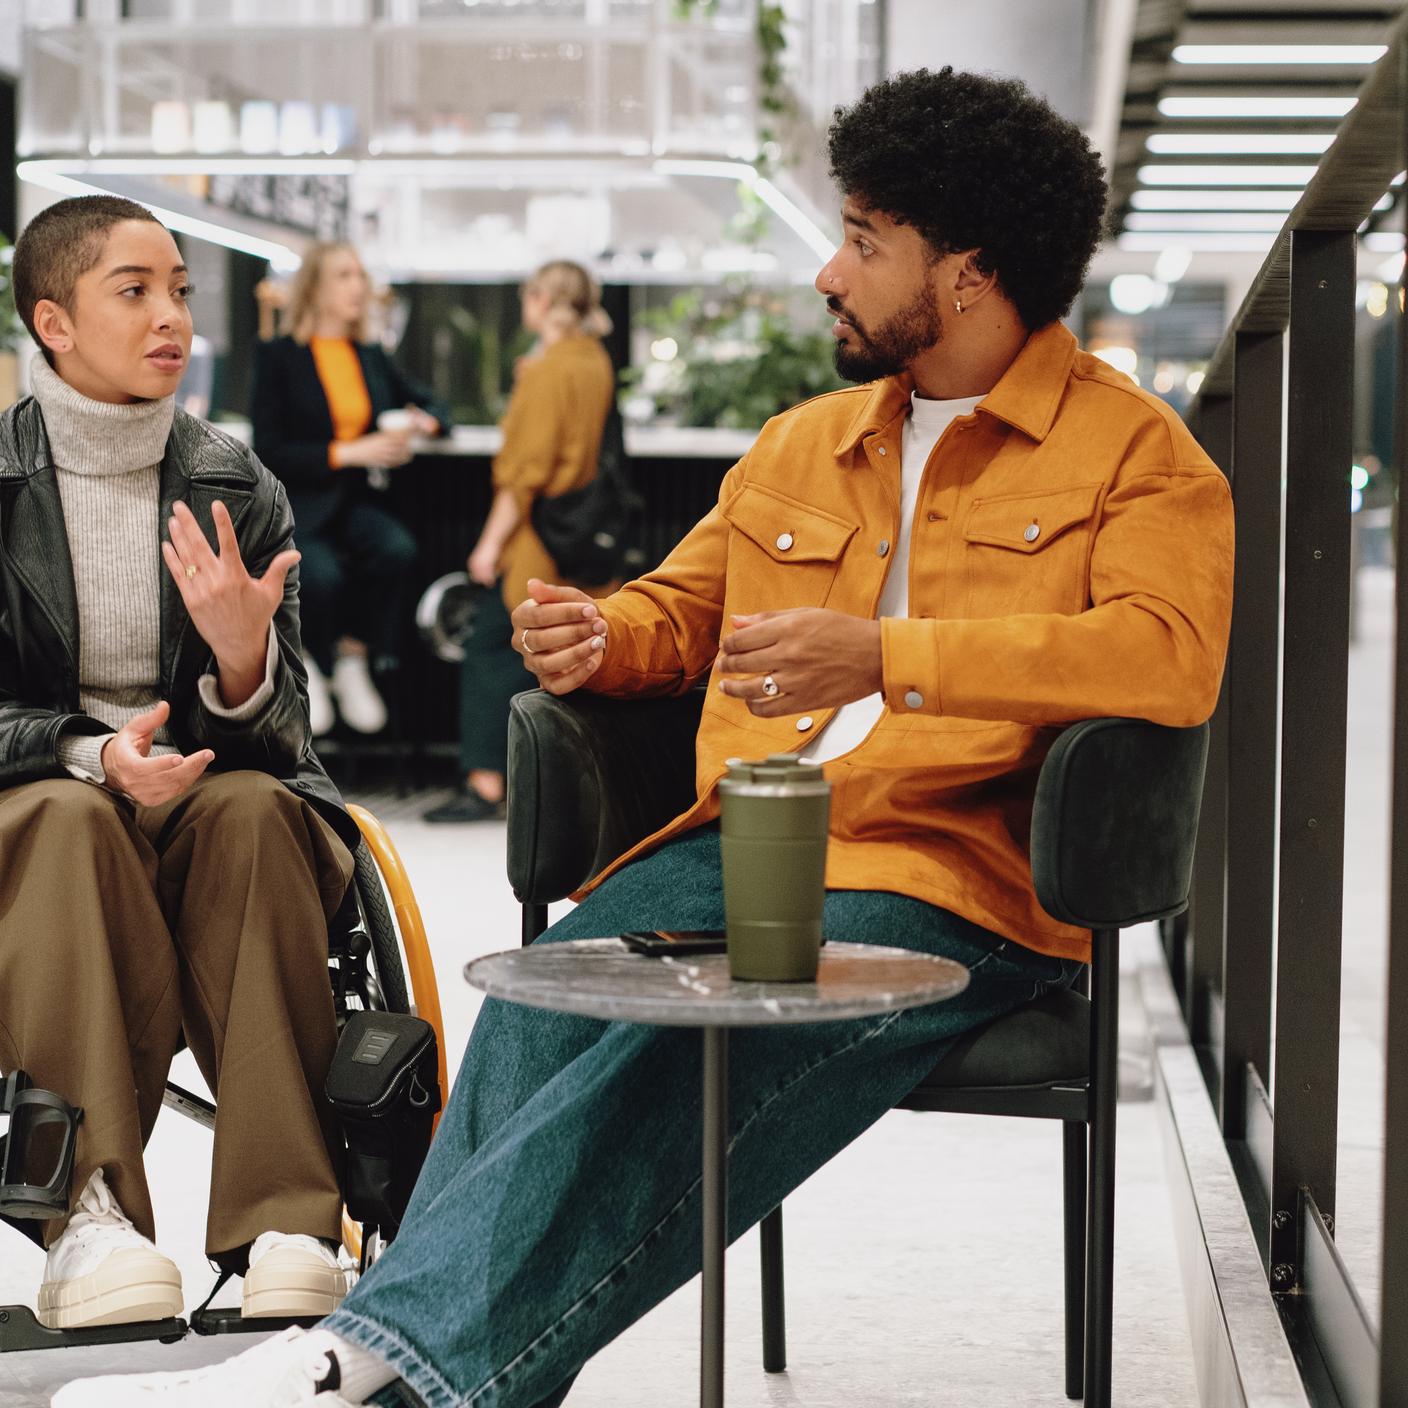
<point>36,1152</point>
<point>384,1085</point>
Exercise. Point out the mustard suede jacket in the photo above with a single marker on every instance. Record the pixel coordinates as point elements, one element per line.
<point>1118,604</point>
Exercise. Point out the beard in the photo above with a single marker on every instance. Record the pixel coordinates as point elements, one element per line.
<point>891,347</point>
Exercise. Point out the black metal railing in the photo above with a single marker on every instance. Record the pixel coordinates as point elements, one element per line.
<point>1275,411</point>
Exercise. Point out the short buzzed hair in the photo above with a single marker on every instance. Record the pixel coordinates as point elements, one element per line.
<point>61,244</point>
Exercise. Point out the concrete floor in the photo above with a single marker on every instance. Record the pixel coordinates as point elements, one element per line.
<point>924,1263</point>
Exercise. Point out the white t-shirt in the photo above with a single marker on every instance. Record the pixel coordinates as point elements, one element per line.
<point>927,421</point>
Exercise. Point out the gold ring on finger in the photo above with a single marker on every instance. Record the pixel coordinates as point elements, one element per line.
<point>527,649</point>
<point>770,687</point>
<point>191,570</point>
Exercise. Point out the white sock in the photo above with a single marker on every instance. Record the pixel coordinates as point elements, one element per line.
<point>363,1374</point>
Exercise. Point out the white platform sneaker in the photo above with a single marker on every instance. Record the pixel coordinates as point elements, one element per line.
<point>320,711</point>
<point>298,1366</point>
<point>290,1274</point>
<point>102,1271</point>
<point>361,707</point>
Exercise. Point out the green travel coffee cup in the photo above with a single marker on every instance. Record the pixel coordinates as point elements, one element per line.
<point>773,826</point>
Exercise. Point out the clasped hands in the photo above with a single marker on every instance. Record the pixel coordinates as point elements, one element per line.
<point>817,659</point>
<point>232,612</point>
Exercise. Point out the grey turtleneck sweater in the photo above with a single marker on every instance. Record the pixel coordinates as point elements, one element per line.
<point>108,462</point>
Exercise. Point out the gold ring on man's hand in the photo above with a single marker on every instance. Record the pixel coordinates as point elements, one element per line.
<point>191,570</point>
<point>527,649</point>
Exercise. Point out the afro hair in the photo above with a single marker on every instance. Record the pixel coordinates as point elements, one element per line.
<point>973,161</point>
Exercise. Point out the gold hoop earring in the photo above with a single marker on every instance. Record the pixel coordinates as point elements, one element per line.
<point>958,304</point>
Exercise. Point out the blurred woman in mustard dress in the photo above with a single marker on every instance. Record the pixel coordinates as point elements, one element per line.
<point>552,433</point>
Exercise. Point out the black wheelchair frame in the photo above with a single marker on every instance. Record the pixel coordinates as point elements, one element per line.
<point>366,972</point>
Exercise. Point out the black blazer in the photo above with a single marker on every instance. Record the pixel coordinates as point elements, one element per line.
<point>39,614</point>
<point>293,424</point>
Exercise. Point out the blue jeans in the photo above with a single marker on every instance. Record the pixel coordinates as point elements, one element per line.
<point>561,1198</point>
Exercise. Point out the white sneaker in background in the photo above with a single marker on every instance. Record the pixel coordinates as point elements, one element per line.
<point>320,710</point>
<point>291,1274</point>
<point>298,1366</point>
<point>357,699</point>
<point>102,1271</point>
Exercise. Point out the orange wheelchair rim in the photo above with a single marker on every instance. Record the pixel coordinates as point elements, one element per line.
<point>411,926</point>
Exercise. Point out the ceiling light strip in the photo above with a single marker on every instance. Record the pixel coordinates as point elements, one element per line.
<point>1232,106</point>
<point>786,209</point>
<point>281,256</point>
<point>1149,241</point>
<point>1270,221</point>
<point>1317,54</point>
<point>1239,143</point>
<point>1229,175</point>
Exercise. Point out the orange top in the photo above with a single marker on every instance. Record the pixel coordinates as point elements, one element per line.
<point>340,371</point>
<point>552,436</point>
<point>1119,605</point>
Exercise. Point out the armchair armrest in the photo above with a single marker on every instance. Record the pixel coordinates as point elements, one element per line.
<point>588,777</point>
<point>1115,821</point>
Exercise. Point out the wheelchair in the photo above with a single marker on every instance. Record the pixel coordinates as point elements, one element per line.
<point>377,927</point>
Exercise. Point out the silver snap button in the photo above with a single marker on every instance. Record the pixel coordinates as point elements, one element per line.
<point>1032,533</point>
<point>804,723</point>
<point>784,541</point>
<point>882,450</point>
<point>913,699</point>
<point>882,548</point>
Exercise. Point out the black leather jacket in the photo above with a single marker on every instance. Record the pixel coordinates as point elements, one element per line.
<point>39,614</point>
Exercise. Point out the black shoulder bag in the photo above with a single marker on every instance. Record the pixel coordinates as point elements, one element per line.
<point>593,534</point>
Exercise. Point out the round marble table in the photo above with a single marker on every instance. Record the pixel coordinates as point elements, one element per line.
<point>603,978</point>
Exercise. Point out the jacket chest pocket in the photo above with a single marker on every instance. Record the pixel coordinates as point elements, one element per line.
<point>781,553</point>
<point>1029,553</point>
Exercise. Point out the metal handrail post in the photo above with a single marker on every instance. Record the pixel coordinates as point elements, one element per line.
<point>1315,664</point>
<point>1207,908</point>
<point>1253,672</point>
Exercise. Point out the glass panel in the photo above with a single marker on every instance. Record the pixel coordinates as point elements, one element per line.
<point>1359,1200</point>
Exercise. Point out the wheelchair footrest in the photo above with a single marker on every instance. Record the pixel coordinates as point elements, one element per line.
<point>227,1320</point>
<point>20,1330</point>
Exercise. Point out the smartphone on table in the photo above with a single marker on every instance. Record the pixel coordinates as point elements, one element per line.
<point>659,943</point>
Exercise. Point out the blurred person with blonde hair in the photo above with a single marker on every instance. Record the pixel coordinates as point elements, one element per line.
<point>328,405</point>
<point>552,432</point>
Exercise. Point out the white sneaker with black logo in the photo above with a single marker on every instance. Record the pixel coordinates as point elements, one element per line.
<point>298,1366</point>
<point>361,707</point>
<point>102,1271</point>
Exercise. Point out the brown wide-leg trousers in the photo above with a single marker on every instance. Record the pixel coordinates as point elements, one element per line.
<point>123,926</point>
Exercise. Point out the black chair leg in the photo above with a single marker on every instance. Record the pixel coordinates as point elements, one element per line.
<point>1104,1086</point>
<point>774,1308</point>
<point>535,920</point>
<point>1073,1134</point>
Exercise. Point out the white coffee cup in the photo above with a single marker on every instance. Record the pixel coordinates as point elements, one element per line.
<point>396,422</point>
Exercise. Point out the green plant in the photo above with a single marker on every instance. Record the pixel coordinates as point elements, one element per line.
<point>775,101</point>
<point>741,355</point>
<point>740,358</point>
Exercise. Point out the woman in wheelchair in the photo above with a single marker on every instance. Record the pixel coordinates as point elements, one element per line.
<point>173,851</point>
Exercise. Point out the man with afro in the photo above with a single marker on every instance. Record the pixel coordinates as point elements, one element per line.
<point>916,582</point>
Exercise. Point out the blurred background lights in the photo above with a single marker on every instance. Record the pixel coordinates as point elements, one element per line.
<point>1172,264</point>
<point>1122,359</point>
<point>1137,293</point>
